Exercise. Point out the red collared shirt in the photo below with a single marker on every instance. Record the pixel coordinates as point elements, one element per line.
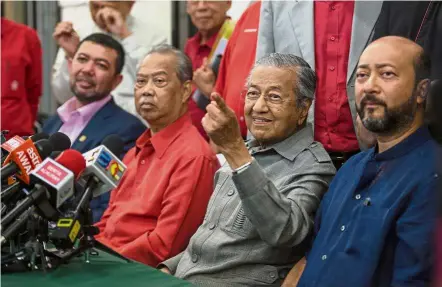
<point>197,52</point>
<point>162,198</point>
<point>21,78</point>
<point>239,57</point>
<point>333,119</point>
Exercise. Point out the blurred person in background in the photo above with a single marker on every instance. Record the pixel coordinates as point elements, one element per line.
<point>113,18</point>
<point>162,197</point>
<point>91,115</point>
<point>208,17</point>
<point>21,78</point>
<point>236,63</point>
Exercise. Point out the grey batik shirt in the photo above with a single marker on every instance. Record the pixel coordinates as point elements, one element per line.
<point>258,219</point>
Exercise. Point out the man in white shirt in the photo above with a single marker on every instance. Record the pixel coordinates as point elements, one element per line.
<point>111,17</point>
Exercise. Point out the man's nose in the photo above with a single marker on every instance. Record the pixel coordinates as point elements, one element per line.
<point>260,106</point>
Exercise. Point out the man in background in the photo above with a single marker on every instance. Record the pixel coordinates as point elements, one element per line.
<point>113,18</point>
<point>91,115</point>
<point>236,63</point>
<point>162,197</point>
<point>21,78</point>
<point>208,17</point>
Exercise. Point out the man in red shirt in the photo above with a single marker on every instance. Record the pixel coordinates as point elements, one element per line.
<point>236,63</point>
<point>208,17</point>
<point>330,36</point>
<point>162,198</point>
<point>21,78</point>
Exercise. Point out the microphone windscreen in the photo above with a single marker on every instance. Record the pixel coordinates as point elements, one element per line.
<point>72,160</point>
<point>60,141</point>
<point>115,144</point>
<point>39,136</point>
<point>44,147</point>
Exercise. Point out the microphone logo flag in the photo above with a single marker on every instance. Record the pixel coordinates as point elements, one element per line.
<point>58,177</point>
<point>104,165</point>
<point>12,143</point>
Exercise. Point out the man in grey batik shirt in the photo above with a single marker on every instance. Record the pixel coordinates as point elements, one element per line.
<point>260,215</point>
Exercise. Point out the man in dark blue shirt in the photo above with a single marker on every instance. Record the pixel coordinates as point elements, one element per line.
<point>375,225</point>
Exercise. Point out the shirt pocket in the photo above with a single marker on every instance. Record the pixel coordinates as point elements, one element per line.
<point>238,223</point>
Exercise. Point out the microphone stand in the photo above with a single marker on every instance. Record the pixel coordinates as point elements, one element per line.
<point>87,241</point>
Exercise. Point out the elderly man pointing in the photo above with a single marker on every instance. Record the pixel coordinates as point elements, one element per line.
<point>267,192</point>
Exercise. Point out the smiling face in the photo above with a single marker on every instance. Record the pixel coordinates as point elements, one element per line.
<point>271,112</point>
<point>160,97</point>
<point>386,92</point>
<point>92,72</point>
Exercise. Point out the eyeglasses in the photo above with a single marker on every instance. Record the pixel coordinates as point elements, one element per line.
<point>271,98</point>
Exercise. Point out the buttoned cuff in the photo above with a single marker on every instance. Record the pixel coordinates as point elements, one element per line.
<point>250,179</point>
<point>171,263</point>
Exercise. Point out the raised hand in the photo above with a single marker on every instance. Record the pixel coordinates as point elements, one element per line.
<point>204,78</point>
<point>66,38</point>
<point>112,21</point>
<point>221,125</point>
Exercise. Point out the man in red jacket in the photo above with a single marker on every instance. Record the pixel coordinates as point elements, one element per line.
<point>21,78</point>
<point>162,198</point>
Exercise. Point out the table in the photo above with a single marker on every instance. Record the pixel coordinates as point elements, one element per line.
<point>103,270</point>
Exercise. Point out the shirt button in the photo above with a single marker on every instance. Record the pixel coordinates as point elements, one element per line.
<point>324,257</point>
<point>272,275</point>
<point>143,161</point>
<point>330,99</point>
<point>342,227</point>
<point>212,226</point>
<point>194,258</point>
<point>358,196</point>
<point>231,192</point>
<point>241,119</point>
<point>436,175</point>
<point>332,68</point>
<point>332,38</point>
<point>332,7</point>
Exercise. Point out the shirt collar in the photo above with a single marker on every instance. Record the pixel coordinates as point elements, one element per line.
<point>5,24</point>
<point>164,138</point>
<point>291,146</point>
<point>86,112</point>
<point>196,40</point>
<point>416,139</point>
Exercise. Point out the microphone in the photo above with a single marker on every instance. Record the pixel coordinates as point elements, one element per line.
<point>53,182</point>
<point>103,164</point>
<point>22,160</point>
<point>60,141</point>
<point>16,141</point>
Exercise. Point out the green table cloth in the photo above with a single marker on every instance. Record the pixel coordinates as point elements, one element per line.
<point>104,270</point>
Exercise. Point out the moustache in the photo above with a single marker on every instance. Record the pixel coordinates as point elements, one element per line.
<point>372,99</point>
<point>85,79</point>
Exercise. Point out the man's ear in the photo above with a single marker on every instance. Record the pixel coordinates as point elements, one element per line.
<point>187,91</point>
<point>422,90</point>
<point>69,64</point>
<point>117,81</point>
<point>303,111</point>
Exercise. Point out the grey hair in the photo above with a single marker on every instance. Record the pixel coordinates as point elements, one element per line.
<point>305,83</point>
<point>184,67</point>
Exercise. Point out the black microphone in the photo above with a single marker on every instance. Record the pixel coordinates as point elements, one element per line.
<point>60,141</point>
